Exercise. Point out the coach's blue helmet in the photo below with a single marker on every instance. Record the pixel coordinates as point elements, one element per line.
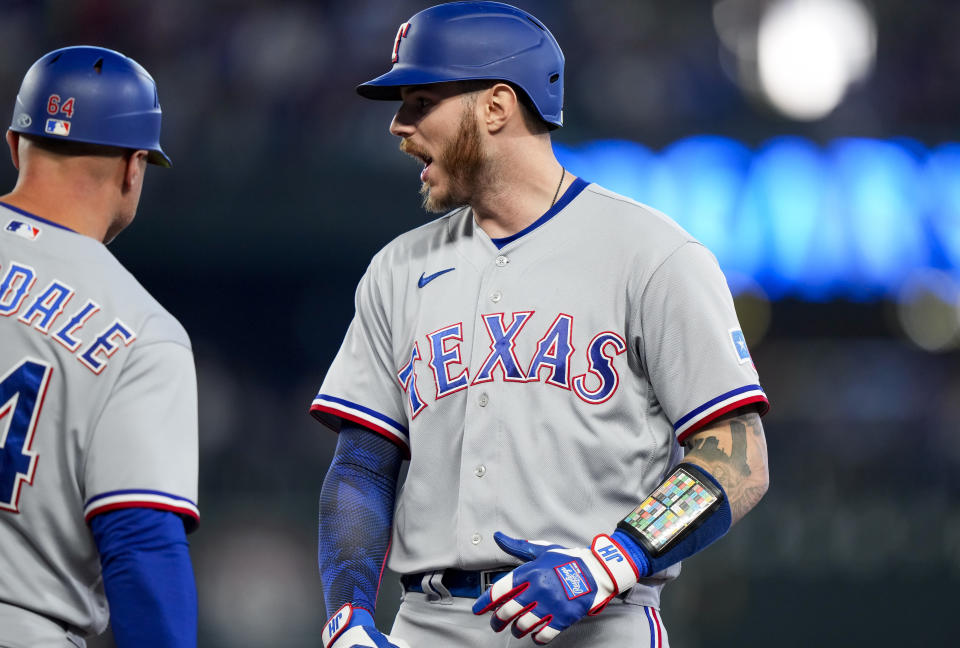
<point>93,95</point>
<point>461,41</point>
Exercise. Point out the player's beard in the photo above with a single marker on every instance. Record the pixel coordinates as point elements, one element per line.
<point>464,160</point>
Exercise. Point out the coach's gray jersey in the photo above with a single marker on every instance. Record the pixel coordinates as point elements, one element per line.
<point>540,388</point>
<point>97,412</point>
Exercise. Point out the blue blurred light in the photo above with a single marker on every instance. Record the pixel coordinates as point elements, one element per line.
<point>877,183</point>
<point>853,220</point>
<point>942,189</point>
<point>783,201</point>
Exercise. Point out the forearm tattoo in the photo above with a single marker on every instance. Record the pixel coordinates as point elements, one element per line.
<point>734,451</point>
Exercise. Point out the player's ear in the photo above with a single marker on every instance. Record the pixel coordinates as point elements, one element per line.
<point>500,105</point>
<point>13,141</point>
<point>136,165</point>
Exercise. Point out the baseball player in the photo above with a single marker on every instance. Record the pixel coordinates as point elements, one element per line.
<point>98,420</point>
<point>562,367</point>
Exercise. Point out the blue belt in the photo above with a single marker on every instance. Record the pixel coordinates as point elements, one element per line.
<point>466,584</point>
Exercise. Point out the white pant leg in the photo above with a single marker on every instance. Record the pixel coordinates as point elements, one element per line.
<point>428,625</point>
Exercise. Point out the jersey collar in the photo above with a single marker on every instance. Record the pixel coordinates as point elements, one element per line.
<point>35,217</point>
<point>572,192</point>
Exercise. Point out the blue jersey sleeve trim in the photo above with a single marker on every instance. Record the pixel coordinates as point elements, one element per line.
<point>35,217</point>
<point>572,192</point>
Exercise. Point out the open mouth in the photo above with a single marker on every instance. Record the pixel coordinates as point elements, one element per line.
<point>418,154</point>
<point>427,161</point>
<point>423,157</point>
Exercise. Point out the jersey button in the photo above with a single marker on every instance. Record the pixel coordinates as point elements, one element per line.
<point>497,296</point>
<point>482,400</point>
<point>502,261</point>
<point>480,470</point>
<point>476,539</point>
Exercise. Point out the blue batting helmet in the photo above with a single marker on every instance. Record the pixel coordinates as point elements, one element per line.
<point>461,41</point>
<point>93,95</point>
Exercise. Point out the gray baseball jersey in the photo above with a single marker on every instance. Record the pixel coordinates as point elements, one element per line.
<point>97,412</point>
<point>540,383</point>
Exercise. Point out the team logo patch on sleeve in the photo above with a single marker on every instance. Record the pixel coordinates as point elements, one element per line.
<point>27,231</point>
<point>740,345</point>
<point>57,127</point>
<point>573,580</point>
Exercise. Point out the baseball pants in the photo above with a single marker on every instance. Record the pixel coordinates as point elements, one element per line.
<point>20,628</point>
<point>451,622</point>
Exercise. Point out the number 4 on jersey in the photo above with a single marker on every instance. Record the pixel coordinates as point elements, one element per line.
<point>21,398</point>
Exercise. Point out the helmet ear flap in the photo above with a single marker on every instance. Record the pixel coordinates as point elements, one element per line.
<point>93,95</point>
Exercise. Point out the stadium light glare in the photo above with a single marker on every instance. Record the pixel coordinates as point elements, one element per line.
<point>811,51</point>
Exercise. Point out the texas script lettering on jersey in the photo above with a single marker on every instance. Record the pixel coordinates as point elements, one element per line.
<point>551,360</point>
<point>45,308</point>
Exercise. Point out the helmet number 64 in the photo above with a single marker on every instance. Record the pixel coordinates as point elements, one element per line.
<point>54,105</point>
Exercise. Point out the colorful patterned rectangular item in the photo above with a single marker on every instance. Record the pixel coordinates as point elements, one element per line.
<point>674,507</point>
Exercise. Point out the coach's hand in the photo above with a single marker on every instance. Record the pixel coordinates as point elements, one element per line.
<point>351,627</point>
<point>556,587</point>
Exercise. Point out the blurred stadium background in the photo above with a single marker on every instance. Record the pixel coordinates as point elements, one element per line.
<point>809,143</point>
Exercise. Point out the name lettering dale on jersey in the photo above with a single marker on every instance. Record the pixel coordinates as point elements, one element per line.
<point>41,311</point>
<point>550,362</point>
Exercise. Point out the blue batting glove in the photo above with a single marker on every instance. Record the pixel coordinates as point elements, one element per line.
<point>351,627</point>
<point>556,587</point>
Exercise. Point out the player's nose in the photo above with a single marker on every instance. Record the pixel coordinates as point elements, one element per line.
<point>405,120</point>
<point>400,126</point>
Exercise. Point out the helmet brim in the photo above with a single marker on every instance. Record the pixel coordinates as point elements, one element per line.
<point>159,158</point>
<point>386,87</point>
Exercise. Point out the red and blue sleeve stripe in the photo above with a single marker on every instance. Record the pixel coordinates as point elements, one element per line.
<point>142,498</point>
<point>368,418</point>
<point>717,407</point>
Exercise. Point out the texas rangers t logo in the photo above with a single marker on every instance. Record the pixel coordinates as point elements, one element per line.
<point>404,28</point>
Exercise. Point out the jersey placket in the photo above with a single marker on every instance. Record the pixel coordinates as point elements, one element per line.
<point>479,465</point>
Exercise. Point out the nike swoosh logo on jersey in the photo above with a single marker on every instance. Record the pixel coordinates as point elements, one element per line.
<point>423,281</point>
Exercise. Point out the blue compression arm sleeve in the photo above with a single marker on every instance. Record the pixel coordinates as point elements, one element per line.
<point>356,517</point>
<point>148,578</point>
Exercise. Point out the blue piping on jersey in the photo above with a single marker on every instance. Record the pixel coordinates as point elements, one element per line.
<point>572,192</point>
<point>712,402</point>
<point>136,491</point>
<point>365,410</point>
<point>35,217</point>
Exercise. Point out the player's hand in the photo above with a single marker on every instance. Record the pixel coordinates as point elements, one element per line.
<point>556,587</point>
<point>351,627</point>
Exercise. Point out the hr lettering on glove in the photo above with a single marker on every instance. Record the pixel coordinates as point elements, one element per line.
<point>351,627</point>
<point>556,587</point>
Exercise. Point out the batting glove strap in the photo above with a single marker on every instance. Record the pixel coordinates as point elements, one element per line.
<point>618,565</point>
<point>352,627</point>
